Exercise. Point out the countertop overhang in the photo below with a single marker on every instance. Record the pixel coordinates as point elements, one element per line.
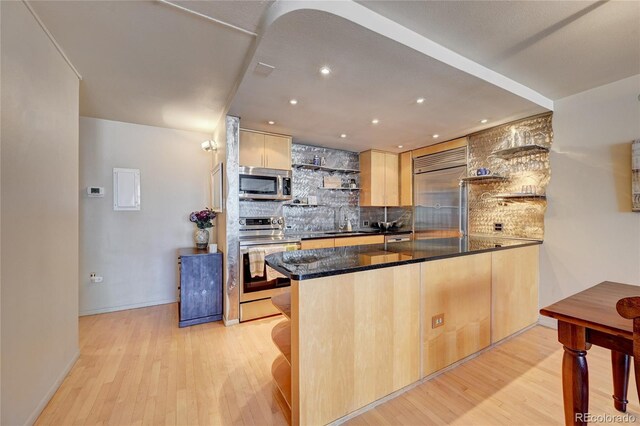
<point>308,264</point>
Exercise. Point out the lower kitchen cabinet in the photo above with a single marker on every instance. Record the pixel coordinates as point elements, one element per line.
<point>473,301</point>
<point>456,295</point>
<point>199,286</point>
<point>361,240</point>
<point>319,243</point>
<point>514,290</point>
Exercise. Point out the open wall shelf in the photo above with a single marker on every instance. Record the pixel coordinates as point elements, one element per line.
<point>484,179</point>
<point>520,150</point>
<point>325,169</point>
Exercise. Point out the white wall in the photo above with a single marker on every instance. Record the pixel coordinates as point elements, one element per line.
<point>591,235</point>
<point>135,251</point>
<point>39,228</point>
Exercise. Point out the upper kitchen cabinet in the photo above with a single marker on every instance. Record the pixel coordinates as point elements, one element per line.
<point>406,179</point>
<point>265,150</point>
<point>379,179</point>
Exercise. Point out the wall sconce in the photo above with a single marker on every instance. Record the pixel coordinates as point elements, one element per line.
<point>209,145</point>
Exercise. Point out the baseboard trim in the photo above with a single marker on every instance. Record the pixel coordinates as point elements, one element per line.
<point>47,397</point>
<point>227,322</point>
<point>125,307</point>
<point>548,322</point>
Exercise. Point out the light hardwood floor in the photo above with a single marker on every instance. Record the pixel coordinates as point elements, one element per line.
<point>138,367</point>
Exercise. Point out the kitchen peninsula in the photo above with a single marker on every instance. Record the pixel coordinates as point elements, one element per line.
<point>366,321</point>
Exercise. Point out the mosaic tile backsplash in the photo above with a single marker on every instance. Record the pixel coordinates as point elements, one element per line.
<point>518,202</point>
<point>332,204</point>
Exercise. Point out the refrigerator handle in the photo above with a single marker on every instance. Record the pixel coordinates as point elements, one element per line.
<point>460,207</point>
<point>460,212</point>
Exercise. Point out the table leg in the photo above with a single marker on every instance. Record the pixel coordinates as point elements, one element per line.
<point>575,374</point>
<point>620,363</point>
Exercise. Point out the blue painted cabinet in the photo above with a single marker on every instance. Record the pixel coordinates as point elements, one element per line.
<point>199,286</point>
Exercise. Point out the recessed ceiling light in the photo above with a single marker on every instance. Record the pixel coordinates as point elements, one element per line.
<point>375,121</point>
<point>420,100</point>
<point>325,70</point>
<point>293,101</point>
<point>344,135</point>
<point>271,122</point>
<point>400,146</point>
<point>484,120</point>
<point>436,136</point>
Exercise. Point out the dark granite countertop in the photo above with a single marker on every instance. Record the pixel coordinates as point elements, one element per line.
<point>308,264</point>
<point>317,235</point>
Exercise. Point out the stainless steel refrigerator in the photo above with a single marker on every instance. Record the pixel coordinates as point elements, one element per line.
<point>440,197</point>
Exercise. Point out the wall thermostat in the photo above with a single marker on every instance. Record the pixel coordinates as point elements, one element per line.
<point>95,191</point>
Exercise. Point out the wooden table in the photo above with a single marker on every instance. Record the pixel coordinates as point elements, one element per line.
<point>590,318</point>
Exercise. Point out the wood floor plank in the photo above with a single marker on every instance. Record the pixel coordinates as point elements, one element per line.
<point>138,367</point>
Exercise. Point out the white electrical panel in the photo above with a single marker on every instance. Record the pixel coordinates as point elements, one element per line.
<point>126,189</point>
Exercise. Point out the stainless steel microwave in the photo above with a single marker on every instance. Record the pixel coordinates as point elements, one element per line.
<point>264,184</point>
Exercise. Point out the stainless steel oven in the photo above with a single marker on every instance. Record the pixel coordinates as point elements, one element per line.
<point>260,237</point>
<point>264,184</point>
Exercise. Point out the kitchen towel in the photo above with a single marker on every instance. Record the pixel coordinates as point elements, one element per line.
<point>272,274</point>
<point>256,261</point>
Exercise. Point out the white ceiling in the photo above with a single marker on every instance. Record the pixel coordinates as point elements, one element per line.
<point>373,77</point>
<point>146,62</point>
<point>557,48</point>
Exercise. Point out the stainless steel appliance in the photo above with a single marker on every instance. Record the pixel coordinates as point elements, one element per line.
<point>440,197</point>
<point>263,234</point>
<point>264,184</point>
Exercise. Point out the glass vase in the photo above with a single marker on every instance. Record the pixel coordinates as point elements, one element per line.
<point>201,238</point>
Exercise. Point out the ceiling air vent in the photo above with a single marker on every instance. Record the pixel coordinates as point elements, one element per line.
<point>263,69</point>
<point>441,160</point>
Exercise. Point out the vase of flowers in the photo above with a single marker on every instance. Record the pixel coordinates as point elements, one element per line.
<point>203,220</point>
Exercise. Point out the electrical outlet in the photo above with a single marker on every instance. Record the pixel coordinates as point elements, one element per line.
<point>497,227</point>
<point>94,278</point>
<point>365,223</point>
<point>437,321</point>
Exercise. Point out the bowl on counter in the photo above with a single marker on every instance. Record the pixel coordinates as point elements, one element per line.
<point>387,226</point>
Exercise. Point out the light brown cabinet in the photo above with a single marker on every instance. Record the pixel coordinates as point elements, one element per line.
<point>251,149</point>
<point>355,338</point>
<point>514,290</point>
<point>458,290</point>
<point>317,244</point>
<point>406,179</point>
<point>264,150</point>
<point>341,242</point>
<point>362,240</point>
<point>379,179</point>
<point>483,298</point>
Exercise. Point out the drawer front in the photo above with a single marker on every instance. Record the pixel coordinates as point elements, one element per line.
<point>356,241</point>
<point>317,244</point>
